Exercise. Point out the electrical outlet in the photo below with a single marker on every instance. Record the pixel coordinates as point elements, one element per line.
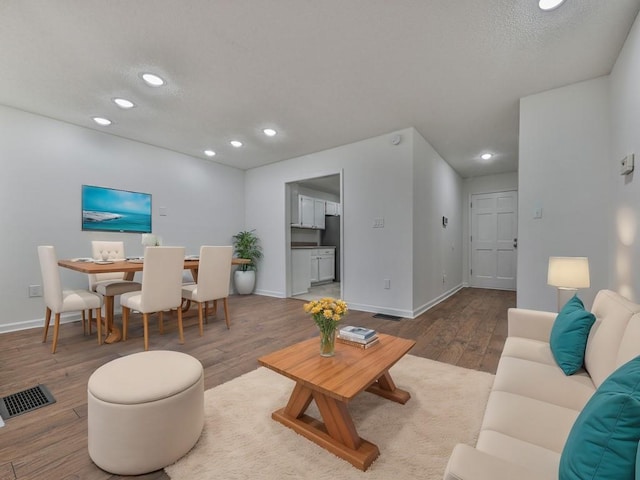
<point>387,284</point>
<point>378,222</point>
<point>35,290</point>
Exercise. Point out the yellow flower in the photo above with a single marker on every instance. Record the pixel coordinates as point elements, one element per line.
<point>326,311</point>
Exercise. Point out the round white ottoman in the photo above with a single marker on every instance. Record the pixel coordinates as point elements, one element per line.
<point>145,411</point>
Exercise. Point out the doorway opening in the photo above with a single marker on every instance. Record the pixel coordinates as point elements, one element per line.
<point>315,253</point>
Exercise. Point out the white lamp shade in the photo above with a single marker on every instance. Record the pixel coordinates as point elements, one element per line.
<point>568,272</point>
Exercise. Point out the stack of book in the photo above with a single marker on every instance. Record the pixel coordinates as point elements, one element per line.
<point>357,336</point>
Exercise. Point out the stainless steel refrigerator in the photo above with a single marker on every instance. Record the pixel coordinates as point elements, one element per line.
<point>331,237</point>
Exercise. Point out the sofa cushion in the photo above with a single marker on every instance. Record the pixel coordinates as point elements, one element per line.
<point>525,377</point>
<point>527,349</point>
<point>569,335</point>
<point>604,439</point>
<point>630,343</point>
<point>613,313</point>
<point>533,458</point>
<point>532,421</point>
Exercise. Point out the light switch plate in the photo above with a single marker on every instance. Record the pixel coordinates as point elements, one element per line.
<point>537,213</point>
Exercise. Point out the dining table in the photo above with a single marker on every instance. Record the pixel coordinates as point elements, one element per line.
<point>129,267</point>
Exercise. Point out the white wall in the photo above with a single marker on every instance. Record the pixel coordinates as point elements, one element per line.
<point>624,246</point>
<point>377,180</point>
<point>437,251</point>
<point>44,164</point>
<point>565,167</point>
<point>486,184</point>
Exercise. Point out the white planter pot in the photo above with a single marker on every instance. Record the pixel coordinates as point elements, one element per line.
<point>244,282</point>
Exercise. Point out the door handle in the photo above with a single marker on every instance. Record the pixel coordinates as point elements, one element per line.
<point>515,243</point>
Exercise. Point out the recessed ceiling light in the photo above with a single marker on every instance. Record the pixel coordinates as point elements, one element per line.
<point>236,143</point>
<point>123,103</point>
<point>269,132</point>
<point>153,80</point>
<point>210,153</point>
<point>102,121</point>
<point>486,156</point>
<point>548,5</point>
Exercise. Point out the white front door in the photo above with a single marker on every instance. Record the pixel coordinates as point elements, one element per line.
<point>494,240</point>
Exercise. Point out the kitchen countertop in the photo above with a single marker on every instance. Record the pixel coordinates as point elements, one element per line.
<point>313,246</point>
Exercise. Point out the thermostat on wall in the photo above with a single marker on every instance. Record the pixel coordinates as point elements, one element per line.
<point>626,165</point>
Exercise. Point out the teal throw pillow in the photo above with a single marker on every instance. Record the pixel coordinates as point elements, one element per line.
<point>603,442</point>
<point>569,335</point>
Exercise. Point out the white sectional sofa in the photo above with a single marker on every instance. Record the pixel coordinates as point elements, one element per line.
<point>533,404</point>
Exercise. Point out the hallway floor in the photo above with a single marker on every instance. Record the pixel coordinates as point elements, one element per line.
<point>319,291</point>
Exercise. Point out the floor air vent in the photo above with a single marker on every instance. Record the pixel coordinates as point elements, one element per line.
<point>25,401</point>
<point>387,317</point>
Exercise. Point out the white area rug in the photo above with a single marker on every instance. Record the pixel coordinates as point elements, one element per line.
<point>241,441</point>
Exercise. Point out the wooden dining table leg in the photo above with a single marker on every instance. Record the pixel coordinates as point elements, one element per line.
<point>113,332</point>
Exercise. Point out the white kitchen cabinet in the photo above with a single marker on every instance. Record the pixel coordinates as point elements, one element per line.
<point>318,213</point>
<point>300,281</point>
<point>322,265</point>
<point>332,208</point>
<point>310,212</point>
<point>326,267</point>
<point>307,211</point>
<point>313,266</point>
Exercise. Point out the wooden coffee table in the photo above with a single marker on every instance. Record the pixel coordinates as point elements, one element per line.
<point>332,382</point>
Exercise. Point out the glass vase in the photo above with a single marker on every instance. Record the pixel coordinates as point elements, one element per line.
<point>327,342</point>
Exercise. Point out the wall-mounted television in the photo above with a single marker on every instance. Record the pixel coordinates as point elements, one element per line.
<point>112,210</point>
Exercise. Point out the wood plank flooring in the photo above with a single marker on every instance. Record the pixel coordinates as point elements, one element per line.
<point>468,330</point>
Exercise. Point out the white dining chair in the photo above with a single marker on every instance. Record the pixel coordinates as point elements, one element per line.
<point>59,301</point>
<point>161,289</point>
<point>214,272</point>
<point>109,285</point>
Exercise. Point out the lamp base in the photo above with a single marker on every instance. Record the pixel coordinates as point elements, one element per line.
<point>564,295</point>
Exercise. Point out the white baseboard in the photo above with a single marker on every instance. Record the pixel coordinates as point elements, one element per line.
<point>38,323</point>
<point>432,303</point>
<point>396,312</point>
<point>75,317</point>
<point>269,293</point>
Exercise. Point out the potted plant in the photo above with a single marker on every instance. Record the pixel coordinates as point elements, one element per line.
<point>246,246</point>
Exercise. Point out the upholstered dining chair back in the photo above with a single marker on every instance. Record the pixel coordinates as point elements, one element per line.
<point>115,251</point>
<point>51,284</point>
<point>162,278</point>
<point>59,301</point>
<point>214,273</point>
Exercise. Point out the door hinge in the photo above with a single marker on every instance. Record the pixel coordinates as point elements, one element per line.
<point>471,272</point>
<point>471,238</point>
<point>471,205</point>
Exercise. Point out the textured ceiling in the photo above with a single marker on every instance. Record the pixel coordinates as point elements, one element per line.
<point>323,73</point>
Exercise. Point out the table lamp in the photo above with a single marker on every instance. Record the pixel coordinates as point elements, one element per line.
<point>568,274</point>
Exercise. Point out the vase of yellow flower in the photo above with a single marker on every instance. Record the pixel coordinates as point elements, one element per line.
<point>326,313</point>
